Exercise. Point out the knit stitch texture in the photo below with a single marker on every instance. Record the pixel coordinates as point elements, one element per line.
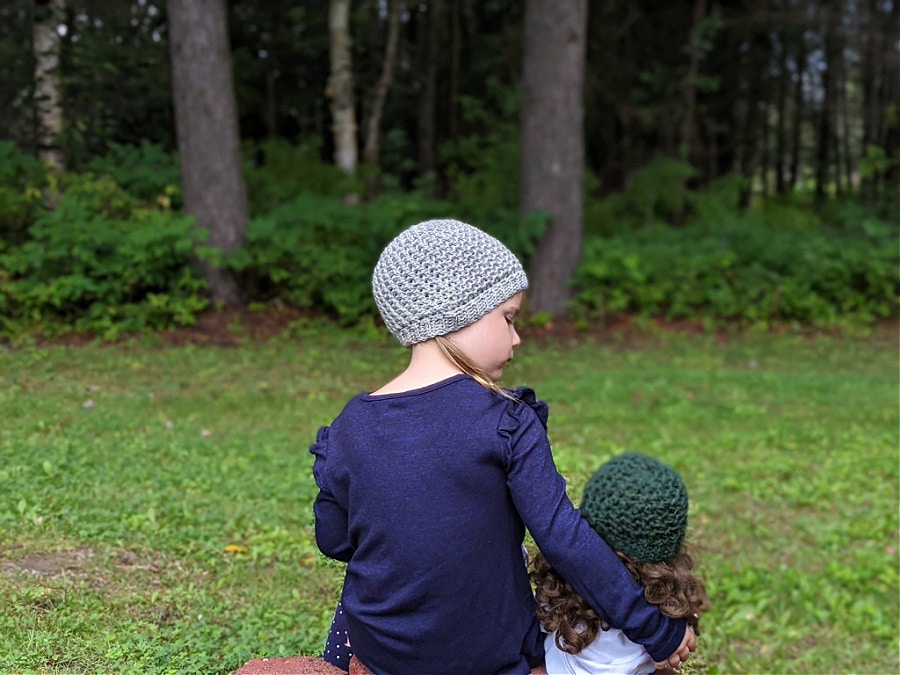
<point>639,506</point>
<point>441,275</point>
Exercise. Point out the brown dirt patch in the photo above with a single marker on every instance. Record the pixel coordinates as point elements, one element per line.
<point>231,328</point>
<point>52,564</point>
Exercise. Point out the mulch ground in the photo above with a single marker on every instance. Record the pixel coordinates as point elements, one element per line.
<point>232,328</point>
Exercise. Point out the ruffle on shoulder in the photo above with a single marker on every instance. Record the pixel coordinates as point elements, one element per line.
<point>319,450</point>
<point>523,399</point>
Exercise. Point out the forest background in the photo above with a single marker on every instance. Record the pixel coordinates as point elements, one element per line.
<point>721,161</point>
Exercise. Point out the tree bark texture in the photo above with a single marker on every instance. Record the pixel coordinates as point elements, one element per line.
<point>797,121</point>
<point>824,131</point>
<point>48,16</point>
<point>340,87</point>
<point>553,143</point>
<point>207,128</point>
<point>781,112</point>
<point>372,149</point>
<point>426,127</point>
<point>691,147</point>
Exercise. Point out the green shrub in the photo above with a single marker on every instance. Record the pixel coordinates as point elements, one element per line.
<point>145,171</point>
<point>317,253</point>
<point>277,172</point>
<point>746,273</point>
<point>22,179</point>
<point>102,263</point>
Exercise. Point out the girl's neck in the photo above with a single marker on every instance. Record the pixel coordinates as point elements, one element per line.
<point>427,365</point>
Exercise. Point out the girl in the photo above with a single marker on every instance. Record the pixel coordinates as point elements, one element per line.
<point>427,484</point>
<point>639,506</point>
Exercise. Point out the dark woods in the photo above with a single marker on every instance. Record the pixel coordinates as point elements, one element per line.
<point>787,92</point>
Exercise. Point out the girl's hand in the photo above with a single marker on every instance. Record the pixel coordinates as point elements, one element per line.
<point>682,654</point>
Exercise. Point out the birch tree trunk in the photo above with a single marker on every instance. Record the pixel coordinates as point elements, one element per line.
<point>373,129</point>
<point>553,143</point>
<point>340,87</point>
<point>207,129</point>
<point>48,16</point>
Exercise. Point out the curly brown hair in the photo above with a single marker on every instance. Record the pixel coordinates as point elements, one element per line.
<point>670,584</point>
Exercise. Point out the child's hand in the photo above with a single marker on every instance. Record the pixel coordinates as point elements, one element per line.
<point>682,654</point>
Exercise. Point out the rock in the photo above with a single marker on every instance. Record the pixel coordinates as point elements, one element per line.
<point>313,665</point>
<point>291,665</point>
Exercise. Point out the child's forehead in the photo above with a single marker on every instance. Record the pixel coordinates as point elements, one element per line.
<point>515,302</point>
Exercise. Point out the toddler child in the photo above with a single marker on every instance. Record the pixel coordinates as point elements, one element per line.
<point>640,507</point>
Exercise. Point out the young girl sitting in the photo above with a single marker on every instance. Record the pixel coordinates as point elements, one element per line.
<point>426,485</point>
<point>640,507</point>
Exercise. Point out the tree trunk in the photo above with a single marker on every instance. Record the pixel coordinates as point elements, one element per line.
<point>373,129</point>
<point>271,102</point>
<point>455,49</point>
<point>781,104</point>
<point>824,132</point>
<point>797,122</point>
<point>207,128</point>
<point>690,146</point>
<point>340,87</point>
<point>890,97</point>
<point>553,142</point>
<point>427,159</point>
<point>844,136</point>
<point>48,16</point>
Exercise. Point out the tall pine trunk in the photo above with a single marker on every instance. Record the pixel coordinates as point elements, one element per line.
<point>426,127</point>
<point>207,128</point>
<point>553,143</point>
<point>825,133</point>
<point>799,108</point>
<point>691,146</point>
<point>780,163</point>
<point>372,149</point>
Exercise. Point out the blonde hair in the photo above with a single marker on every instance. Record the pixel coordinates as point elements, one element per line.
<point>458,358</point>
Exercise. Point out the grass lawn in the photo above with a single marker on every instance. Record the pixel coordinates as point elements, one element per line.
<point>155,502</point>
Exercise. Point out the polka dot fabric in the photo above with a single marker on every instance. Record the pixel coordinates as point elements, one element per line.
<point>639,506</point>
<point>441,275</point>
<point>337,650</point>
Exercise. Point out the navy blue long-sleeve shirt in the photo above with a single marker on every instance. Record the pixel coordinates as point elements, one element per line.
<point>426,495</point>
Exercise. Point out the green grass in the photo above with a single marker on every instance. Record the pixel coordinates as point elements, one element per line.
<point>155,502</point>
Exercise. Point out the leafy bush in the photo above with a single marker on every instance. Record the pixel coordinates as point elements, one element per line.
<point>103,263</point>
<point>277,172</point>
<point>747,273</point>
<point>316,253</point>
<point>22,177</point>
<point>145,171</point>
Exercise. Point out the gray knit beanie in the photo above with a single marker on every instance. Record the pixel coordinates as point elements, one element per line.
<point>442,275</point>
<point>639,506</point>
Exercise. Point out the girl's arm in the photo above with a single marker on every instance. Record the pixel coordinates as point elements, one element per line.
<point>572,546</point>
<point>332,527</point>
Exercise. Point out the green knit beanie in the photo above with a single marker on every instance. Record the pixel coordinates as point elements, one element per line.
<point>639,506</point>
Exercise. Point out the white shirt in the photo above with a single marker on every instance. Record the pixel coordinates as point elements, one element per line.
<point>611,653</point>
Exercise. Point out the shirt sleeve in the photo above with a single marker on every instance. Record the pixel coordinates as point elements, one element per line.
<point>332,526</point>
<point>566,539</point>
